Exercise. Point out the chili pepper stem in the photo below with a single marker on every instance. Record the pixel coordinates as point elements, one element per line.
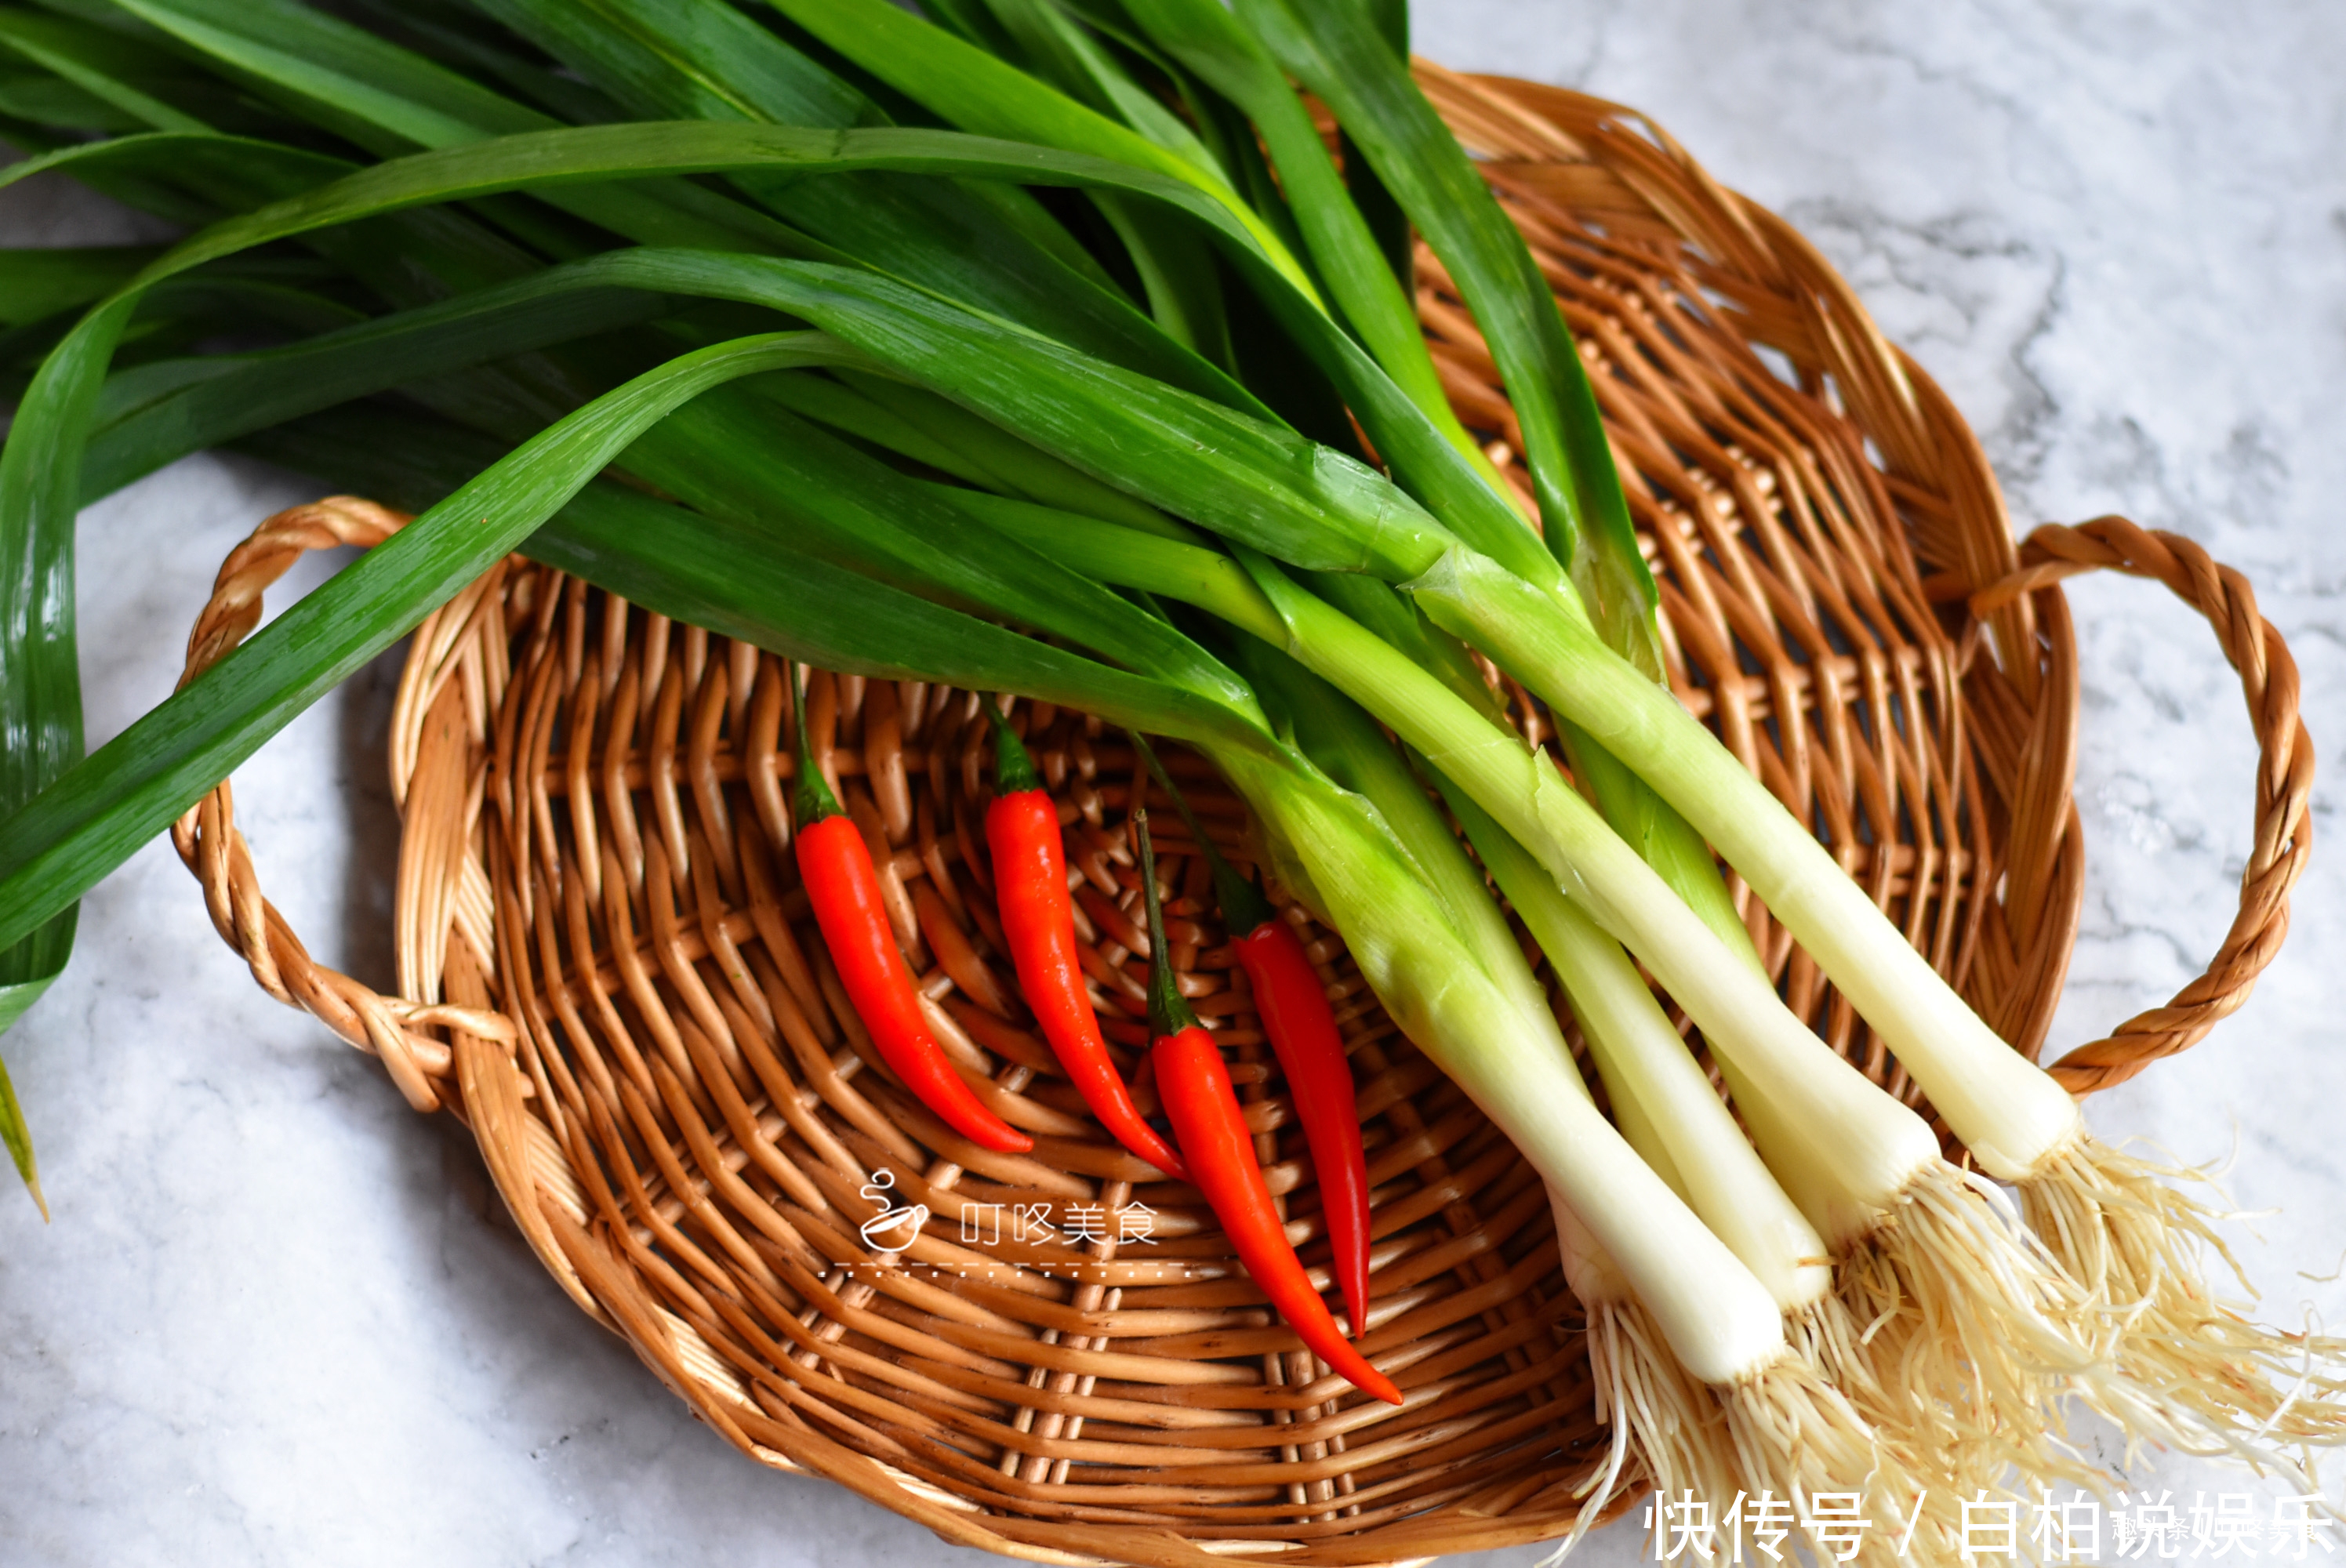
<point>812,800</point>
<point>1169,1011</point>
<point>1014,765</point>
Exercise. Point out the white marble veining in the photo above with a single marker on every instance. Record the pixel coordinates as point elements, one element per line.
<point>280,1321</point>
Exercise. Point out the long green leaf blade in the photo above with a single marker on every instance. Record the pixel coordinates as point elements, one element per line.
<point>235,396</point>
<point>94,816</point>
<point>1337,53</point>
<point>1311,509</point>
<point>335,69</point>
<point>40,698</point>
<point>1384,213</point>
<point>742,581</point>
<point>807,490</point>
<point>734,582</point>
<point>154,423</point>
<point>986,243</point>
<point>1207,39</point>
<point>37,284</point>
<point>194,151</point>
<point>1428,463</point>
<point>1340,54</point>
<point>106,66</point>
<point>1059,51</point>
<point>974,90</point>
<point>40,701</point>
<point>1260,483</point>
<point>388,98</point>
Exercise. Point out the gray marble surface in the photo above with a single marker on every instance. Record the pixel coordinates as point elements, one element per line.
<point>279,1319</point>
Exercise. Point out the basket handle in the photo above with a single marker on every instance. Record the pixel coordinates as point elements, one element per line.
<point>2284,832</point>
<point>207,839</point>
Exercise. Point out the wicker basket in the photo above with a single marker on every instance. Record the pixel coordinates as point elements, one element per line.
<point>626,1001</point>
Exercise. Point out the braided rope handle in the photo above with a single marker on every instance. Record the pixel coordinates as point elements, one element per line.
<point>208,842</point>
<point>2284,831</point>
<point>470,1073</point>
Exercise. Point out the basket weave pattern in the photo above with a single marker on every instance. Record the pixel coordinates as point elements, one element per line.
<point>606,970</point>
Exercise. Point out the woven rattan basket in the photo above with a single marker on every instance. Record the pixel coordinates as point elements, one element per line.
<point>606,972</point>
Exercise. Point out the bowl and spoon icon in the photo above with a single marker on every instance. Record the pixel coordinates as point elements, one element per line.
<point>892,1229</point>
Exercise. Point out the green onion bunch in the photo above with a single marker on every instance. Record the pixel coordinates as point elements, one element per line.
<point>1047,347</point>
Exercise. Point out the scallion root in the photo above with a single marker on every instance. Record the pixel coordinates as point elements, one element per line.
<point>1830,1338</point>
<point>2140,1245</point>
<point>1662,1418</point>
<point>1793,1434</point>
<point>1848,1353</point>
<point>1972,1337</point>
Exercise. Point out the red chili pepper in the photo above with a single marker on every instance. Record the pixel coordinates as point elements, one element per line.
<point>1294,1007</point>
<point>1030,887</point>
<point>1195,1087</point>
<point>844,888</point>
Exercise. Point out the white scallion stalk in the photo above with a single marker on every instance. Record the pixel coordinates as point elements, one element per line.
<point>1644,1135</point>
<point>1653,1078</point>
<point>1670,1114</point>
<point>1877,1144</point>
<point>1660,1095</point>
<point>2010,1333</point>
<point>2009,1113</point>
<point>1785,1429</point>
<point>1657,1409</point>
<point>2124,1252</point>
<point>1720,1318</point>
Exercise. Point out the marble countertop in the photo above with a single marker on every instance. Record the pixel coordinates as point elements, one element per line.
<point>280,1319</point>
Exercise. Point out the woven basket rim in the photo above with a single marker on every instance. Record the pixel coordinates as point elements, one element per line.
<point>2012,630</point>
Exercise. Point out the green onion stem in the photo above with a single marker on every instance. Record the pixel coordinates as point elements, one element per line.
<point>1666,1107</point>
<point>1630,1116</point>
<point>1204,38</point>
<point>1368,84</point>
<point>1027,471</point>
<point>1337,53</point>
<point>1662,837</point>
<point>1348,747</point>
<point>828,402</point>
<point>1874,1143</point>
<point>1719,1319</point>
<point>2010,1112</point>
<point>1126,557</point>
<point>1884,1142</point>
